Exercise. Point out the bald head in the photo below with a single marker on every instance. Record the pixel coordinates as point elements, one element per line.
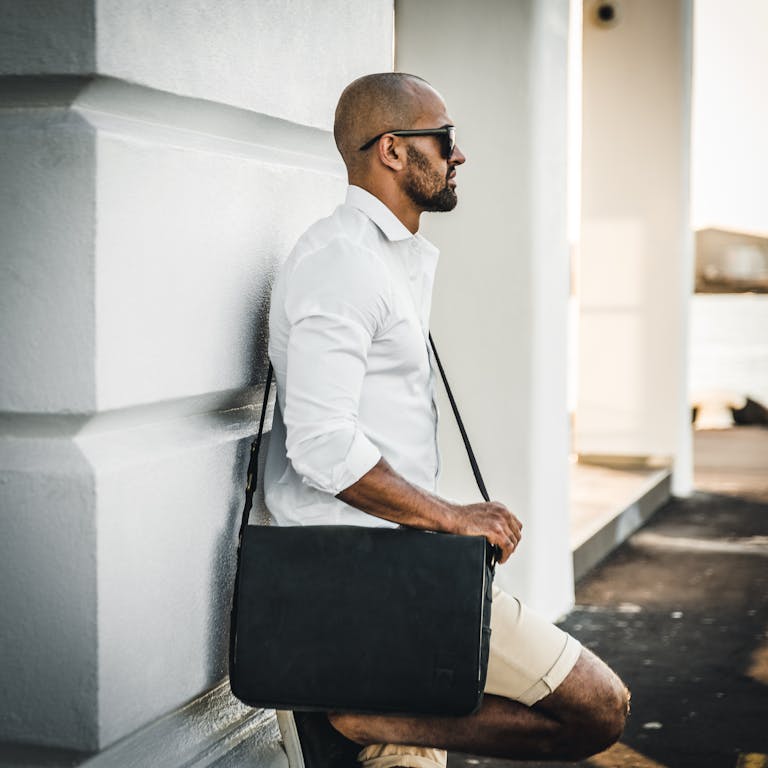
<point>373,104</point>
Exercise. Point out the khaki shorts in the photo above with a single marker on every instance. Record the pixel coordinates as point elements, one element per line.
<point>529,655</point>
<point>529,658</point>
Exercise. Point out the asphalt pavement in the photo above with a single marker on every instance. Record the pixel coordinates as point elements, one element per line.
<point>680,611</point>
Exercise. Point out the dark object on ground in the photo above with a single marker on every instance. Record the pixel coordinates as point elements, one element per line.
<point>752,413</point>
<point>680,611</point>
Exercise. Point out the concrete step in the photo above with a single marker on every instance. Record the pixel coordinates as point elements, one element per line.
<point>608,504</point>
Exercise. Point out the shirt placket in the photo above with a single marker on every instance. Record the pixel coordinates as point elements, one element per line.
<point>414,279</point>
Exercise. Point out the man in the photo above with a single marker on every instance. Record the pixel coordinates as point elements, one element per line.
<point>354,439</point>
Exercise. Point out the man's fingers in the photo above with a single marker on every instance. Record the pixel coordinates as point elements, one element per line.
<point>513,536</point>
<point>498,525</point>
<point>506,553</point>
<point>507,546</point>
<point>507,531</point>
<point>510,523</point>
<point>510,538</point>
<point>515,526</point>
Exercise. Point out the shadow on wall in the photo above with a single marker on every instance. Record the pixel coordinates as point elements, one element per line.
<point>224,554</point>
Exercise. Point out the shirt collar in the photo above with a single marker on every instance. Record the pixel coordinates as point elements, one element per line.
<point>393,229</point>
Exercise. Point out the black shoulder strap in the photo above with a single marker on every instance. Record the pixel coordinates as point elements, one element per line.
<point>250,487</point>
<point>253,463</point>
<point>457,415</point>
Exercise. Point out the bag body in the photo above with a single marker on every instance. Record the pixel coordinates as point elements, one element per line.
<point>368,620</point>
<point>357,619</point>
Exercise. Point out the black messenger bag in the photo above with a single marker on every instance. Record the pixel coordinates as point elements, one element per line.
<point>355,619</point>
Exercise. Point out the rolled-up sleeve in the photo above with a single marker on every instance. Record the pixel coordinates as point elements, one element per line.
<point>336,303</point>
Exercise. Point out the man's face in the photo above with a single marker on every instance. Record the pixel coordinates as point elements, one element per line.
<point>427,184</point>
<point>429,179</point>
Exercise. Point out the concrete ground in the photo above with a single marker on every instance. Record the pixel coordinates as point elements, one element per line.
<point>680,611</point>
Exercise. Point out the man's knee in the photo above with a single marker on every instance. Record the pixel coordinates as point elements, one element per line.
<point>593,706</point>
<point>611,715</point>
<point>605,722</point>
<point>594,730</point>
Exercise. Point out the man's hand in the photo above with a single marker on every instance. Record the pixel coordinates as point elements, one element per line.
<point>492,520</point>
<point>384,493</point>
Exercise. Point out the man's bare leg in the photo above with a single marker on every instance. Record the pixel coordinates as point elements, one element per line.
<point>583,716</point>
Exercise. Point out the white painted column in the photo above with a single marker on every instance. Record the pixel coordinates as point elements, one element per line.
<point>635,264</point>
<point>143,210</point>
<point>501,299</point>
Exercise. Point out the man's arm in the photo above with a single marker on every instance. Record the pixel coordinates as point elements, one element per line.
<point>384,493</point>
<point>335,306</point>
<point>335,303</point>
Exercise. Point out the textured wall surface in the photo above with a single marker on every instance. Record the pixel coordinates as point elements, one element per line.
<point>48,563</point>
<point>287,59</point>
<point>48,166</point>
<point>158,160</point>
<point>47,37</point>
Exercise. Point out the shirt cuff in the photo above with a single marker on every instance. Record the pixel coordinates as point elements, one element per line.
<point>360,457</point>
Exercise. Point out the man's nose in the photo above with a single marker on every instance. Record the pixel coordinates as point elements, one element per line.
<point>457,158</point>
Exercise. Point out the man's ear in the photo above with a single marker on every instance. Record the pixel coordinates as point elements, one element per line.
<point>391,152</point>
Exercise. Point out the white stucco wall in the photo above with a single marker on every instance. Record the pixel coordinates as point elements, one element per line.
<point>282,59</point>
<point>46,294</point>
<point>286,59</point>
<point>40,36</point>
<point>143,211</point>
<point>500,307</point>
<point>49,602</point>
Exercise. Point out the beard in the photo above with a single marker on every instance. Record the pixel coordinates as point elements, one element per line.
<point>425,186</point>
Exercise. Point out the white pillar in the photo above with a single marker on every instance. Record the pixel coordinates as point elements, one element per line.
<point>636,271</point>
<point>501,300</point>
<point>143,209</point>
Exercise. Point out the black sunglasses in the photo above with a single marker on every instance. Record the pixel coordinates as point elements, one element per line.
<point>447,135</point>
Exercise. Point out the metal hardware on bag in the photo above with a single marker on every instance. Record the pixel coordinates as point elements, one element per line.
<point>494,555</point>
<point>249,476</point>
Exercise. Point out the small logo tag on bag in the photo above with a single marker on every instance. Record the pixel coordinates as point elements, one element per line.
<point>443,677</point>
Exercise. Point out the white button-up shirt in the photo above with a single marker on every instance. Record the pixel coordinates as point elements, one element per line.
<point>348,330</point>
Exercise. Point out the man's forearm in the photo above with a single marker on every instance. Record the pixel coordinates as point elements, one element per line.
<point>384,493</point>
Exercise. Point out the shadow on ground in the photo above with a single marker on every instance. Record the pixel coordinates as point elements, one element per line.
<point>680,611</point>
